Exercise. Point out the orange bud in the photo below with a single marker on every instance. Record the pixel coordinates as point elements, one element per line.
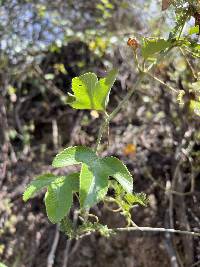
<point>133,43</point>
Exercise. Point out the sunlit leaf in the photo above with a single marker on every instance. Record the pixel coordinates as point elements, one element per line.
<point>195,107</point>
<point>91,93</point>
<point>194,30</point>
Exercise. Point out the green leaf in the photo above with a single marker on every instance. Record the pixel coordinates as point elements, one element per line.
<point>37,184</point>
<point>195,87</point>
<point>74,155</point>
<point>91,93</point>
<point>195,107</point>
<point>58,198</point>
<point>94,173</point>
<point>119,171</point>
<point>3,265</point>
<point>152,46</point>
<point>137,198</point>
<point>194,30</point>
<point>93,184</point>
<point>105,84</point>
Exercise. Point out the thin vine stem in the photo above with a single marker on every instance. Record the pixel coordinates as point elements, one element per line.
<point>103,125</point>
<point>126,98</point>
<point>189,64</point>
<point>107,118</point>
<point>163,83</point>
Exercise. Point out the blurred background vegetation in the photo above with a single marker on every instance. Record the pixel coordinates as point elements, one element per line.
<point>43,45</point>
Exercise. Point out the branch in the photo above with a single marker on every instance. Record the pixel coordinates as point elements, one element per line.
<point>157,230</point>
<point>153,230</point>
<point>51,256</point>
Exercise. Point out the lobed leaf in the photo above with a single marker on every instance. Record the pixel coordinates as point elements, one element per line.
<point>91,93</point>
<point>105,84</point>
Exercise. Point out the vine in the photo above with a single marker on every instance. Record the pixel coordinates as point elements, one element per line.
<point>107,179</point>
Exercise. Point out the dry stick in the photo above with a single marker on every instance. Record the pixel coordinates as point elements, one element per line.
<point>189,193</point>
<point>153,230</point>
<point>196,264</point>
<point>51,256</point>
<point>67,252</point>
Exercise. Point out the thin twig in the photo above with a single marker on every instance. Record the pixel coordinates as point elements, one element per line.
<point>104,123</point>
<point>163,83</point>
<point>126,98</point>
<point>51,256</point>
<point>66,253</point>
<point>153,230</point>
<point>188,62</point>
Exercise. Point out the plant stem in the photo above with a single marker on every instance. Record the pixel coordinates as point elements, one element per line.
<point>126,98</point>
<point>163,83</point>
<point>103,125</point>
<point>153,230</point>
<point>156,230</point>
<point>189,64</point>
<point>139,80</point>
<point>108,118</point>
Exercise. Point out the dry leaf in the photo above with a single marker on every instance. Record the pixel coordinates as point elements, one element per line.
<point>129,149</point>
<point>94,114</point>
<point>165,4</point>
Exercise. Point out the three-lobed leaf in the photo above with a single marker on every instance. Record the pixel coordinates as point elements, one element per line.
<point>94,173</point>
<point>91,93</point>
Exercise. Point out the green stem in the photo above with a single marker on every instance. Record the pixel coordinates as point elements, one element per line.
<point>126,98</point>
<point>103,125</point>
<point>163,83</point>
<point>108,118</point>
